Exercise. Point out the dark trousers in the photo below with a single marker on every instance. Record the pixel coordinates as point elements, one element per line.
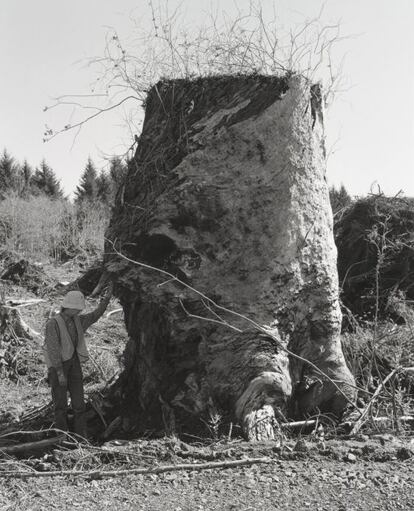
<point>73,371</point>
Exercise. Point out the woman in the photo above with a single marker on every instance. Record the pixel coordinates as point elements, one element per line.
<point>65,351</point>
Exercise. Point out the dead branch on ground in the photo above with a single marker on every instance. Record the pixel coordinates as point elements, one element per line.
<point>29,447</point>
<point>98,474</point>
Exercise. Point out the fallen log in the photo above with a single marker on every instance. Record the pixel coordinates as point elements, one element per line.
<point>29,447</point>
<point>98,474</point>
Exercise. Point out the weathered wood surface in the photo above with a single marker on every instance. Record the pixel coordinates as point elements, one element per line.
<point>229,197</point>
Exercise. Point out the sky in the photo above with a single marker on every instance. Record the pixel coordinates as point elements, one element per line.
<point>45,47</point>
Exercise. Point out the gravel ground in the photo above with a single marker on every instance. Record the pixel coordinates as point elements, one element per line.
<point>294,485</point>
<point>366,474</point>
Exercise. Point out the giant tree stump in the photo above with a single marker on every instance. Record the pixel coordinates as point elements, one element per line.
<point>227,193</point>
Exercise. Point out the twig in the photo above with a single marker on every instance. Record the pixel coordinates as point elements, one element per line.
<point>17,302</point>
<point>115,311</point>
<point>156,470</point>
<point>403,418</point>
<point>217,321</point>
<point>8,433</point>
<point>361,420</point>
<point>89,118</point>
<point>299,424</point>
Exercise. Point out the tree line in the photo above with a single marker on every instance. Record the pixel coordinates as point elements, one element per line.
<point>25,181</point>
<point>93,185</point>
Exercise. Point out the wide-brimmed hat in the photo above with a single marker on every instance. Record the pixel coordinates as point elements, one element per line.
<point>74,300</point>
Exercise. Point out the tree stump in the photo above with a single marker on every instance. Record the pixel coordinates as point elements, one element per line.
<point>227,195</point>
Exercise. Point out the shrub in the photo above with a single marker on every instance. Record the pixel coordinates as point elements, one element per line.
<point>375,241</point>
<point>40,227</point>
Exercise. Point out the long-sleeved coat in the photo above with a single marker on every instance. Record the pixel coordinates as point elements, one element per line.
<point>53,346</point>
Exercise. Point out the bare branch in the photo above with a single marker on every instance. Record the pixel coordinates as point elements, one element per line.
<point>164,48</point>
<point>81,123</point>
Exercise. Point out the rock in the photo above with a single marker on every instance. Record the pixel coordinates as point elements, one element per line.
<point>351,457</point>
<point>44,467</point>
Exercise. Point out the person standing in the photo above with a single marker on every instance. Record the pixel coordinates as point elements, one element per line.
<point>65,350</point>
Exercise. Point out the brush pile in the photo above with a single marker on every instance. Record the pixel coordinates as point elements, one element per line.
<point>375,241</point>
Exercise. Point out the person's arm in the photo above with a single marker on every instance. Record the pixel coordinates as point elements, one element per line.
<point>54,351</point>
<point>90,318</point>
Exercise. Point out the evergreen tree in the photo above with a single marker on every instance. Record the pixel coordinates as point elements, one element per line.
<point>45,181</point>
<point>339,198</point>
<point>117,172</point>
<point>88,187</point>
<point>8,173</point>
<point>104,188</point>
<point>26,175</point>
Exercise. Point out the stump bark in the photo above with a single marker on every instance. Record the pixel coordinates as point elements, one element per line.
<point>227,194</point>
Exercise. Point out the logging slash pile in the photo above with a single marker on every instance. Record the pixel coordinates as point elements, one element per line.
<point>375,241</point>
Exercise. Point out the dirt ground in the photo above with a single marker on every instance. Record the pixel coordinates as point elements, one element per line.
<point>310,482</point>
<point>369,473</point>
<point>26,388</point>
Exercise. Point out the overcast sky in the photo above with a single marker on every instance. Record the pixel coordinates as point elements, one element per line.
<point>45,44</point>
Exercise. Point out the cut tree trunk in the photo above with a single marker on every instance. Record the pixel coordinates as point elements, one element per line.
<point>227,196</point>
